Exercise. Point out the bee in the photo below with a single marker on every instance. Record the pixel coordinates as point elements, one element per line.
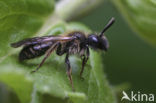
<point>70,44</point>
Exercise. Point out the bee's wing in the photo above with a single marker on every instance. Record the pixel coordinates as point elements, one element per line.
<point>44,39</point>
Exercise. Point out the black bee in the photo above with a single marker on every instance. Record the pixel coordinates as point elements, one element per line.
<point>73,43</point>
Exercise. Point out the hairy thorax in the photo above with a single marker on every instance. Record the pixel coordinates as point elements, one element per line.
<point>74,47</point>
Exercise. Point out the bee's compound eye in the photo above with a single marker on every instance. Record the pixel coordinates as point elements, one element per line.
<point>93,40</point>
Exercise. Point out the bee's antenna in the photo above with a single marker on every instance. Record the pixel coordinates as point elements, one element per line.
<point>111,21</point>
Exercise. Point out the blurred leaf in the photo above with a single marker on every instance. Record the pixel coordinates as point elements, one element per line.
<point>141,15</point>
<point>102,92</point>
<point>18,82</point>
<point>20,19</point>
<point>76,9</point>
<point>78,27</point>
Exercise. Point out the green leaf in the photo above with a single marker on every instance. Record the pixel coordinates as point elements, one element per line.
<point>17,81</point>
<point>20,19</point>
<point>51,79</point>
<point>141,15</point>
<point>102,92</point>
<point>78,27</point>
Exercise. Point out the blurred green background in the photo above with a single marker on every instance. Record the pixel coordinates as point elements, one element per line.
<point>129,58</point>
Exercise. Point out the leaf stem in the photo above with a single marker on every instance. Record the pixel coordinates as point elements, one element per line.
<point>67,10</point>
<point>71,9</point>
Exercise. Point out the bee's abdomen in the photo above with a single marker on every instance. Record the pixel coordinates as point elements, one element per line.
<point>33,51</point>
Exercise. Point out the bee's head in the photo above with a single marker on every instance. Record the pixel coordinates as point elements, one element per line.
<point>100,41</point>
<point>97,42</point>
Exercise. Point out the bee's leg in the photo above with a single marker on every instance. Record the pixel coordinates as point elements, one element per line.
<point>84,61</point>
<point>49,51</point>
<point>69,70</point>
<point>59,50</point>
<point>83,65</point>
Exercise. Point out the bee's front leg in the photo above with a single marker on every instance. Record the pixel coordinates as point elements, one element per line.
<point>69,70</point>
<point>84,61</point>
